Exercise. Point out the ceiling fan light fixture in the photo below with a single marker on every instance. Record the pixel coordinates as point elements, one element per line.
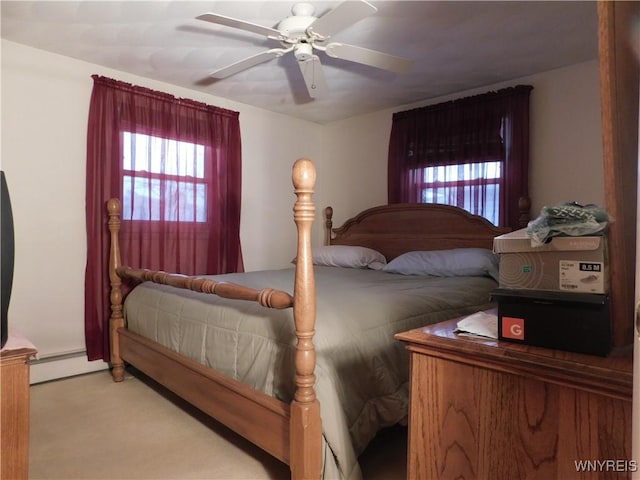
<point>303,9</point>
<point>303,51</point>
<point>295,27</point>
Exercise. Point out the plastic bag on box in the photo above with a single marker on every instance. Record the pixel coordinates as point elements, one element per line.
<point>569,219</point>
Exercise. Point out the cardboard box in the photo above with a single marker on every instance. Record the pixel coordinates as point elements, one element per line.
<point>573,322</point>
<point>566,264</point>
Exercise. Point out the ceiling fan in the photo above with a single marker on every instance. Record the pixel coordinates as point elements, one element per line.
<point>303,34</point>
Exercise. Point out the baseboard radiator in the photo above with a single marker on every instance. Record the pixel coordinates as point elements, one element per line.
<point>61,365</point>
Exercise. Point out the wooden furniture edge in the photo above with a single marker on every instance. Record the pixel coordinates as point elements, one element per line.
<point>25,352</point>
<point>365,229</point>
<point>576,370</point>
<point>15,407</point>
<point>619,77</point>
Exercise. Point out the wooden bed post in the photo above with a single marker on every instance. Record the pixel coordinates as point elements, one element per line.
<point>524,207</point>
<point>116,320</point>
<point>305,429</point>
<point>328,225</point>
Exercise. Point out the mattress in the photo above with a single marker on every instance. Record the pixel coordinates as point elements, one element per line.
<point>361,370</point>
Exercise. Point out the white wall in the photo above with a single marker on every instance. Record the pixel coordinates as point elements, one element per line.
<point>45,100</point>
<point>566,137</point>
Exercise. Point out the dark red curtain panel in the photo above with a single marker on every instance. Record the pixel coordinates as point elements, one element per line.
<point>482,128</point>
<point>175,164</point>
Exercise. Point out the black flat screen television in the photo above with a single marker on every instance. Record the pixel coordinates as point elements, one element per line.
<point>7,251</point>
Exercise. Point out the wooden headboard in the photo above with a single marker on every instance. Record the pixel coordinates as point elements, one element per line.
<point>403,227</point>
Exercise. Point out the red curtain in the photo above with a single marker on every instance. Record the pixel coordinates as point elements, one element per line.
<point>176,166</point>
<point>482,128</point>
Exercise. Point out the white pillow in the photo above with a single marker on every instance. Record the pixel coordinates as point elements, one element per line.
<point>456,262</point>
<point>348,256</point>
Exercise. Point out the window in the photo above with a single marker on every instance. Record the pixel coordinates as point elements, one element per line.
<point>163,179</point>
<point>472,152</point>
<point>472,186</point>
<point>175,164</point>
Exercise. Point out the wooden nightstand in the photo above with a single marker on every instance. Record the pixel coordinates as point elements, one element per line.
<point>14,407</point>
<point>484,409</point>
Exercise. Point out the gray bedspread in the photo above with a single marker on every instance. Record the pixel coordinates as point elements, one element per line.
<point>362,371</point>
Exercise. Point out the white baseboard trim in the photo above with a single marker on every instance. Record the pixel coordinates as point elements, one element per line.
<point>62,365</point>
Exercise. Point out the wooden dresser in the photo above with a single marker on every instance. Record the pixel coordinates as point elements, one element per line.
<point>14,407</point>
<point>484,409</point>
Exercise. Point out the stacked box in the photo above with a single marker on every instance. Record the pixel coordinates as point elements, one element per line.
<point>566,264</point>
<point>575,322</point>
<point>554,295</point>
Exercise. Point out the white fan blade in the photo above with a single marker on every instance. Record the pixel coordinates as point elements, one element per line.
<point>248,62</point>
<point>369,57</point>
<point>343,16</point>
<point>314,76</point>
<point>241,24</point>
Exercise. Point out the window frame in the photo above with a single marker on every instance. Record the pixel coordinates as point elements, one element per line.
<point>423,186</point>
<point>163,177</point>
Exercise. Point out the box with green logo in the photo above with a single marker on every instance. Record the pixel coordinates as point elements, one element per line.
<point>566,264</point>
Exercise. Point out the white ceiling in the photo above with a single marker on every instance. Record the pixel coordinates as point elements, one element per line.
<point>456,46</point>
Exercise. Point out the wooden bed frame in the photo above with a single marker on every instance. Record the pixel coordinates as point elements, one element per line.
<point>290,432</point>
<point>404,227</point>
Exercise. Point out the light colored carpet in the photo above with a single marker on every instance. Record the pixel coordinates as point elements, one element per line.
<point>88,427</point>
